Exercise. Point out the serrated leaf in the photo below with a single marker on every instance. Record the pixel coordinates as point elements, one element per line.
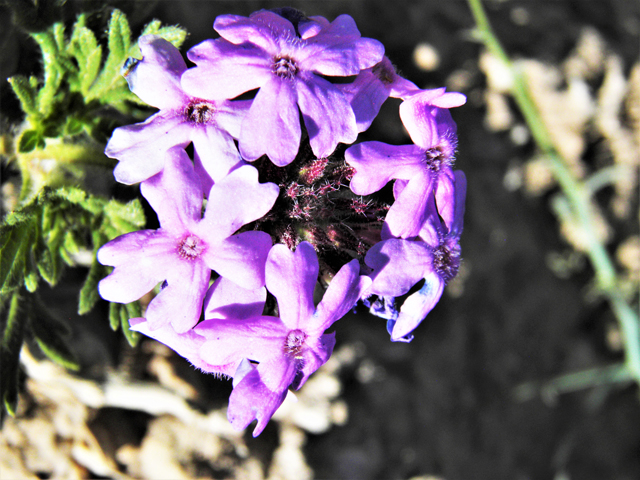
<point>12,339</point>
<point>30,140</point>
<point>172,33</point>
<point>49,334</point>
<point>119,40</point>
<point>84,47</point>
<point>27,95</point>
<point>53,71</point>
<point>15,246</point>
<point>123,218</point>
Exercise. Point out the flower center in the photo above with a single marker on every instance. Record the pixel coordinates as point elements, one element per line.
<point>384,71</point>
<point>284,67</point>
<point>190,247</point>
<point>199,111</point>
<point>446,261</point>
<point>293,344</point>
<point>438,157</point>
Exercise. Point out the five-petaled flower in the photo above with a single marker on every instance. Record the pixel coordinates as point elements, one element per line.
<point>265,51</point>
<point>273,354</point>
<point>187,246</point>
<point>210,124</point>
<point>434,256</point>
<point>420,169</point>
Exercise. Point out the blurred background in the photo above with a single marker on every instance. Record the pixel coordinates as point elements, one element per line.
<point>467,398</point>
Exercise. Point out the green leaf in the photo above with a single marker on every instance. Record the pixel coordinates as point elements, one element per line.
<point>114,316</point>
<point>31,281</point>
<point>119,41</point>
<point>84,47</point>
<point>53,70</point>
<point>27,94</point>
<point>16,240</point>
<point>12,339</point>
<point>122,218</point>
<point>172,33</point>
<point>89,291</point>
<point>130,310</point>
<point>50,335</point>
<point>30,140</point>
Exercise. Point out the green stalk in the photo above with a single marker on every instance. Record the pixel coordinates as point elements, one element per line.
<point>577,193</point>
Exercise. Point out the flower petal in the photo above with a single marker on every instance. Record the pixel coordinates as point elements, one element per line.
<point>376,163</point>
<point>272,126</point>
<point>343,292</point>
<point>251,399</point>
<point>217,152</point>
<point>141,148</point>
<point>461,192</point>
<point>156,78</point>
<point>397,265</point>
<point>409,212</point>
<point>236,200</point>
<point>291,278</point>
<point>327,115</point>
<point>185,344</point>
<point>241,258</point>
<point>263,29</point>
<point>180,302</point>
<point>315,355</point>
<point>424,120</point>
<point>417,306</point>
<point>229,341</point>
<point>140,260</point>
<point>175,193</point>
<point>338,50</point>
<point>365,95</point>
<point>225,70</point>
<point>226,300</point>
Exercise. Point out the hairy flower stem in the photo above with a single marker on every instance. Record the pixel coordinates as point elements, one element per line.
<point>577,193</point>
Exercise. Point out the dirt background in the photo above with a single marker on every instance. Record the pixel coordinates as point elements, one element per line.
<point>445,405</point>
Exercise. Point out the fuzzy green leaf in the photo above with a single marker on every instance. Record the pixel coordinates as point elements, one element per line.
<point>84,47</point>
<point>119,41</point>
<point>16,240</point>
<point>27,95</point>
<point>123,218</point>
<point>114,316</point>
<point>89,291</point>
<point>172,33</point>
<point>30,140</point>
<point>130,310</point>
<point>12,339</point>
<point>50,333</point>
<point>53,71</point>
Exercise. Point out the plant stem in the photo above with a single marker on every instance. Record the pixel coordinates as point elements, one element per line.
<point>577,193</point>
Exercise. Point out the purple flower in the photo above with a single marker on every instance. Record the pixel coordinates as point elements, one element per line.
<point>435,257</point>
<point>187,246</point>
<point>224,300</point>
<point>420,169</point>
<point>210,125</point>
<point>265,52</point>
<point>287,349</point>
<point>372,87</point>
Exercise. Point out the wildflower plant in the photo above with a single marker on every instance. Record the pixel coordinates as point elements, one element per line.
<point>276,203</point>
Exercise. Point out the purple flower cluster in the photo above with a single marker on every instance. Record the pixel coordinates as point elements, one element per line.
<point>228,299</point>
